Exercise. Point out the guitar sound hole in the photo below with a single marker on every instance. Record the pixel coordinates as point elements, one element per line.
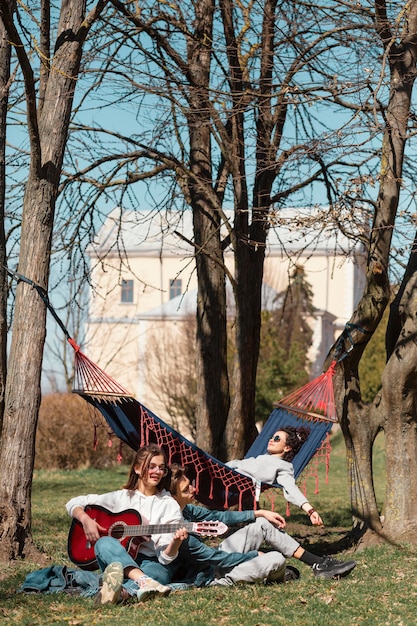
<point>117,530</point>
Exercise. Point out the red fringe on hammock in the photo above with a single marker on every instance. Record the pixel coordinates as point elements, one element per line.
<point>314,401</point>
<point>90,379</point>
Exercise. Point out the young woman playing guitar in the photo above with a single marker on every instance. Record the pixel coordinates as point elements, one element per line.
<point>135,568</point>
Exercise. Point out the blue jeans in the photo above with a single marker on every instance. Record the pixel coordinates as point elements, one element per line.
<point>196,559</point>
<point>109,549</point>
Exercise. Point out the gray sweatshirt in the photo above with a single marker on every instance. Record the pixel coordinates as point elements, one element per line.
<point>267,468</point>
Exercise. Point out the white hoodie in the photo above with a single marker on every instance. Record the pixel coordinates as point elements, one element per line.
<point>160,508</point>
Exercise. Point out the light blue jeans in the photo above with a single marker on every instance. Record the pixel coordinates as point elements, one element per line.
<point>109,549</point>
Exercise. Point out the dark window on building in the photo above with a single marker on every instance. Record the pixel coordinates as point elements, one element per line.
<point>127,291</point>
<point>175,288</point>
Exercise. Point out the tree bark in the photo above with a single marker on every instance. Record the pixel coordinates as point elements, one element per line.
<point>211,357</point>
<point>4,99</point>
<point>401,414</point>
<point>250,235</point>
<point>48,134</point>
<point>394,408</point>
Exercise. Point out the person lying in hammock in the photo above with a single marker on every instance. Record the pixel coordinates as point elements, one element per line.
<point>260,526</point>
<point>275,467</point>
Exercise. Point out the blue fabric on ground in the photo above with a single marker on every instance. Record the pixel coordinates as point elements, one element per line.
<point>56,578</point>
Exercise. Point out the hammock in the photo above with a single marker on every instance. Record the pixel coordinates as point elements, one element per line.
<point>217,485</point>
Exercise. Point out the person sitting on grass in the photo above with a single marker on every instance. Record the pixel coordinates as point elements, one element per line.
<point>261,526</point>
<point>144,574</point>
<point>150,572</point>
<point>275,467</point>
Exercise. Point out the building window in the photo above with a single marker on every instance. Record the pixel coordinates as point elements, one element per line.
<point>175,288</point>
<point>127,291</point>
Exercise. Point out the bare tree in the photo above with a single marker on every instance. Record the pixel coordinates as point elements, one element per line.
<point>5,78</point>
<point>48,115</point>
<point>394,409</point>
<point>240,110</point>
<point>219,68</point>
<point>229,79</point>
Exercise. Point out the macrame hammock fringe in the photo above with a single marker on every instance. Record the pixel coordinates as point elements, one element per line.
<point>217,485</point>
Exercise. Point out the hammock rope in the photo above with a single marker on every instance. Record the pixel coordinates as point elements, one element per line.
<point>315,400</point>
<point>90,379</point>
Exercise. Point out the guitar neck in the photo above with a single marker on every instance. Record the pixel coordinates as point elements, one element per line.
<point>150,529</point>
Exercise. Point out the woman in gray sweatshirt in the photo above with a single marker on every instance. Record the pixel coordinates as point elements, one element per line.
<point>275,467</point>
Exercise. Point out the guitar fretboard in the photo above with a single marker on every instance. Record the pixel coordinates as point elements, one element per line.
<point>138,531</point>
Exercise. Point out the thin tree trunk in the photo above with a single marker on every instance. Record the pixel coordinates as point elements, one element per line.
<point>48,133</point>
<point>4,99</point>
<point>250,241</point>
<point>211,357</point>
<point>212,378</point>
<point>241,429</point>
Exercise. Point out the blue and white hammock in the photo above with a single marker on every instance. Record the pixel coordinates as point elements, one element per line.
<point>217,485</point>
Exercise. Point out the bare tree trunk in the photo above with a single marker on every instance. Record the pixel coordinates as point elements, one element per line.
<point>211,364</point>
<point>211,358</point>
<point>48,133</point>
<point>249,272</point>
<point>250,239</point>
<point>394,409</point>
<point>4,98</point>
<point>399,384</point>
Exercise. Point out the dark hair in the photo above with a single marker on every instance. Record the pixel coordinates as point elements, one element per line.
<point>295,439</point>
<point>142,461</point>
<point>177,474</point>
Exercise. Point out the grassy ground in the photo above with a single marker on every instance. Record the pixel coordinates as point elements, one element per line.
<point>382,590</point>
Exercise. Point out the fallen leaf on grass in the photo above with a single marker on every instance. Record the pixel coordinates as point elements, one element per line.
<point>327,599</point>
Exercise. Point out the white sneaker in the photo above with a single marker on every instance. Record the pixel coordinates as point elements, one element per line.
<point>112,584</point>
<point>220,582</point>
<point>149,588</point>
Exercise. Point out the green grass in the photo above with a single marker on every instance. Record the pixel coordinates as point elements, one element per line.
<point>382,590</point>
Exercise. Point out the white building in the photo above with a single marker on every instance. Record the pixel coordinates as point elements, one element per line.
<point>144,283</point>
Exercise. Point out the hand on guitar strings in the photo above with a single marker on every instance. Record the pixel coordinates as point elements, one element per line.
<point>92,529</point>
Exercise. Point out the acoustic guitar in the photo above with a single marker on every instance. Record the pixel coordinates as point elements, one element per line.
<point>127,527</point>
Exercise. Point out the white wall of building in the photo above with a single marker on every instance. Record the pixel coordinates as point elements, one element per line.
<point>149,253</point>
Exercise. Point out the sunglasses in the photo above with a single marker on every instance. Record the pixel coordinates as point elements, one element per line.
<point>161,469</point>
<point>276,438</point>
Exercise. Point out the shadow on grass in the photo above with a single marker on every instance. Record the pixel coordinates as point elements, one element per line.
<point>326,540</point>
